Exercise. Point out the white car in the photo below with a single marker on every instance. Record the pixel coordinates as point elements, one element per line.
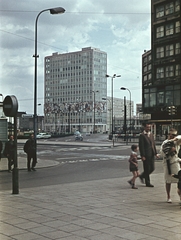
<point>43,136</point>
<point>87,133</point>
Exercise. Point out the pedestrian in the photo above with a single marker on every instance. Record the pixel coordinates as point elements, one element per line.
<point>1,148</point>
<point>171,162</point>
<point>9,152</point>
<point>30,149</point>
<point>133,166</point>
<point>148,151</point>
<point>178,176</point>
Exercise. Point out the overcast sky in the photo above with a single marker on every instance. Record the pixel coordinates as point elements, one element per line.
<point>122,28</point>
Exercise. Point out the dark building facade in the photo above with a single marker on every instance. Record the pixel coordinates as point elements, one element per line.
<point>161,71</point>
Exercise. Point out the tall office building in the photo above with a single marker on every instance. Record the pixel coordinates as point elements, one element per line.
<point>161,79</point>
<point>75,83</point>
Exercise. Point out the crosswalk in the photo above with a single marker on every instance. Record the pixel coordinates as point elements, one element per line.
<point>71,160</point>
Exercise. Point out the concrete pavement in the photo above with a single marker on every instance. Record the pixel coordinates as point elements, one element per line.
<point>94,210</point>
<point>105,209</point>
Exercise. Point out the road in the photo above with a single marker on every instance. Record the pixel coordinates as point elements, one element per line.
<point>76,164</point>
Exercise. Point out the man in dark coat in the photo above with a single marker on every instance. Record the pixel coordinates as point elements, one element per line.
<point>147,152</point>
<point>29,148</point>
<point>9,151</point>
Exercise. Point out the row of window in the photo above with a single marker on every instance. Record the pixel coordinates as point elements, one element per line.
<point>164,72</point>
<point>164,97</point>
<point>168,50</point>
<point>168,29</point>
<point>167,9</point>
<point>168,71</point>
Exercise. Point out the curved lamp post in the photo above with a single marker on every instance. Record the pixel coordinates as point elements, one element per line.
<point>112,77</point>
<point>57,10</point>
<point>123,88</point>
<point>107,99</point>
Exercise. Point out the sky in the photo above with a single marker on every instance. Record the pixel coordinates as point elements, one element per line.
<point>121,28</point>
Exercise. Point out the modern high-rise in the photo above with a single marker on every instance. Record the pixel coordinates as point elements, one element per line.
<point>161,81</point>
<point>75,83</point>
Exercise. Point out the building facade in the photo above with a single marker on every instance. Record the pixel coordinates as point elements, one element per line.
<point>74,85</point>
<point>118,113</point>
<point>161,76</point>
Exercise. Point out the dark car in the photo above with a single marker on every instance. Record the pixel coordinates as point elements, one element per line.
<point>78,137</point>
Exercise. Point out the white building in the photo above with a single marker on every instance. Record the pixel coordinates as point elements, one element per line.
<point>74,86</point>
<point>118,113</point>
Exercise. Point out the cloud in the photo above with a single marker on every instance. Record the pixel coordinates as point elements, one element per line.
<point>120,28</point>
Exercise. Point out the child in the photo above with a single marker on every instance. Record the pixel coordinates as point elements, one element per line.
<point>133,166</point>
<point>178,184</point>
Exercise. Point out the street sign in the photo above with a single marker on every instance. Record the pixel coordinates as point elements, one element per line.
<point>10,106</point>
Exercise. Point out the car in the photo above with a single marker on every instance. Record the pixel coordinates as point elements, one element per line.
<point>87,133</point>
<point>78,137</point>
<point>76,132</point>
<point>43,136</point>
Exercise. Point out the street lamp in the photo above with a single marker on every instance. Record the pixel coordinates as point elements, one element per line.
<point>94,92</point>
<point>112,77</point>
<point>123,88</point>
<point>110,112</point>
<point>57,10</point>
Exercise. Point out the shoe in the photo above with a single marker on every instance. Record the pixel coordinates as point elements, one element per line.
<point>133,187</point>
<point>141,179</point>
<point>130,182</point>
<point>149,185</point>
<point>33,169</point>
<point>169,200</point>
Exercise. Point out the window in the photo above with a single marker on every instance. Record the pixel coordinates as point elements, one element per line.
<point>160,32</point>
<point>145,69</point>
<point>159,11</point>
<point>169,29</point>
<point>146,100</point>
<point>178,70</point>
<point>152,99</point>
<point>169,8</point>
<point>160,98</point>
<point>177,97</point>
<point>145,78</point>
<point>177,27</point>
<point>169,71</point>
<point>169,50</point>
<point>177,5</point>
<point>177,48</point>
<point>160,72</point>
<point>169,98</point>
<point>160,52</point>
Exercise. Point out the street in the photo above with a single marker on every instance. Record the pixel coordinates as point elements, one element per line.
<point>76,163</point>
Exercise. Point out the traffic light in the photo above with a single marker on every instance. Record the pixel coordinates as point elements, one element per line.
<point>172,110</point>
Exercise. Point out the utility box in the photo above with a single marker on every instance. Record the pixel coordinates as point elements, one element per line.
<point>3,130</point>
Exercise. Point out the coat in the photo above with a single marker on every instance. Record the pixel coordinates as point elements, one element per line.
<point>147,146</point>
<point>173,160</point>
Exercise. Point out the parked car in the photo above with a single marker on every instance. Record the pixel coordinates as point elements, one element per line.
<point>43,136</point>
<point>87,133</point>
<point>78,137</point>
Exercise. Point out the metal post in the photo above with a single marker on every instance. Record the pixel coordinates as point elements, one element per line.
<point>15,176</point>
<point>57,10</point>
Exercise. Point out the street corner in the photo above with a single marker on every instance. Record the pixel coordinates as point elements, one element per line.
<point>43,163</point>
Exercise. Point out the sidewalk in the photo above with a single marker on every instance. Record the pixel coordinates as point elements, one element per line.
<point>94,210</point>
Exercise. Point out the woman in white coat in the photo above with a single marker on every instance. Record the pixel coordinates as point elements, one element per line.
<point>171,161</point>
